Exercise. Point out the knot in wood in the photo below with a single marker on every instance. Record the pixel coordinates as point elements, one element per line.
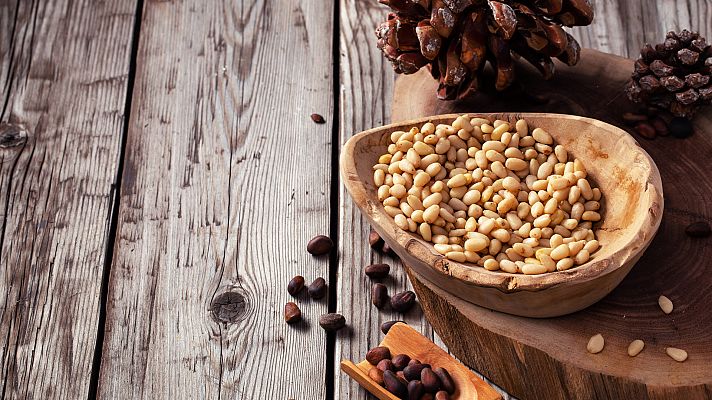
<point>228,307</point>
<point>12,135</point>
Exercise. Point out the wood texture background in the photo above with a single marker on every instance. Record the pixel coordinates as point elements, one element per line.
<point>67,86</point>
<point>224,179</point>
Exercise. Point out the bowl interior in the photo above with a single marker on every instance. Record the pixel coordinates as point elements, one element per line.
<point>629,180</point>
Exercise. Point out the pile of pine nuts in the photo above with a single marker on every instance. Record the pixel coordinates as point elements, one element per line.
<point>501,196</point>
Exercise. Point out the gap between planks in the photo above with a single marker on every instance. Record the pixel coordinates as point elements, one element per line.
<point>114,210</point>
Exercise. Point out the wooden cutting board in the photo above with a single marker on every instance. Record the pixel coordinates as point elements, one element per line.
<point>547,358</point>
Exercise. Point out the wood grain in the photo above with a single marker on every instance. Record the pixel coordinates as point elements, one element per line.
<point>226,179</point>
<point>508,348</point>
<point>621,27</point>
<point>366,80</point>
<point>66,88</point>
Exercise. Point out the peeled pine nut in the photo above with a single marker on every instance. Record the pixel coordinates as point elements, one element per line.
<point>564,264</point>
<point>635,347</point>
<point>542,136</point>
<point>508,266</point>
<point>533,269</point>
<point>582,257</point>
<point>456,256</point>
<point>595,344</point>
<point>665,304</point>
<point>491,193</point>
<point>676,354</point>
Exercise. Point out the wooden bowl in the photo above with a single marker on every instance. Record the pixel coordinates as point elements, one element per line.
<point>632,208</point>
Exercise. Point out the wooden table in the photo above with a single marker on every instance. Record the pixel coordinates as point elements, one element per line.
<point>160,178</point>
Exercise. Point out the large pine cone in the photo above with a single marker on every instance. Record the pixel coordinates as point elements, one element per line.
<point>674,75</point>
<point>456,37</point>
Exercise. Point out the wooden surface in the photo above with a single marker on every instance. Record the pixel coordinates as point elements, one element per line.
<point>403,339</point>
<point>675,265</point>
<point>67,88</point>
<point>219,93</point>
<point>366,89</point>
<point>615,163</point>
<point>220,195</point>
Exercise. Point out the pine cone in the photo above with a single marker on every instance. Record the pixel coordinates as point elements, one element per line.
<point>455,38</point>
<point>675,75</point>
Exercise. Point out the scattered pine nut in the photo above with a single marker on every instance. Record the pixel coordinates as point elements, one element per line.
<point>665,304</point>
<point>635,347</point>
<point>595,344</point>
<point>676,354</point>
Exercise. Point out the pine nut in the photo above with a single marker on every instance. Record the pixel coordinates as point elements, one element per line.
<point>542,221</point>
<point>508,266</point>
<point>635,347</point>
<point>533,269</point>
<point>582,257</point>
<point>542,136</point>
<point>435,198</point>
<point>526,141</point>
<point>575,247</point>
<point>560,252</point>
<point>393,211</point>
<point>586,190</point>
<point>477,242</point>
<point>548,262</point>
<point>456,256</point>
<point>523,250</point>
<point>665,304</point>
<point>431,214</point>
<point>595,344</point>
<point>561,153</point>
<point>407,209</point>
<point>544,170</point>
<point>591,205</point>
<point>591,246</point>
<point>676,354</point>
<point>522,128</point>
<point>491,264</point>
<point>490,193</point>
<point>401,221</point>
<point>590,215</point>
<point>564,264</point>
<point>425,231</point>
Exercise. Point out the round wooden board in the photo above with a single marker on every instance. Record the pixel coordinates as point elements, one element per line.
<point>547,358</point>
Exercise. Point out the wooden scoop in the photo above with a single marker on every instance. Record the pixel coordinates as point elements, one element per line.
<point>402,339</point>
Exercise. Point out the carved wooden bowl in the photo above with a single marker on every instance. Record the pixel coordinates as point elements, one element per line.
<point>632,207</point>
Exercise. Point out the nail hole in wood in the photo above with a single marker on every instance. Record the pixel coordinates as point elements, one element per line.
<point>228,307</point>
<point>12,135</point>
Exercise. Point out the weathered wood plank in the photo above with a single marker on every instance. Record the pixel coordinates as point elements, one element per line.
<point>367,86</point>
<point>61,80</point>
<point>622,26</point>
<point>226,179</point>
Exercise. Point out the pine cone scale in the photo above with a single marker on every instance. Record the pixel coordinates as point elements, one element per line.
<point>456,38</point>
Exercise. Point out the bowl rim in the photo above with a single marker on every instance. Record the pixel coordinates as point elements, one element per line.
<point>503,281</point>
